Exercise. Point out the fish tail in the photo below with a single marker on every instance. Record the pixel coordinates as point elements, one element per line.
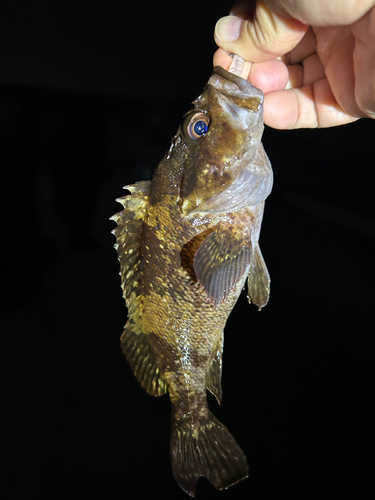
<point>205,449</point>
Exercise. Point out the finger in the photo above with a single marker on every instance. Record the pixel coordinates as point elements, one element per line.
<point>364,63</point>
<point>305,48</point>
<point>275,29</point>
<point>308,107</point>
<point>267,76</point>
<point>340,73</point>
<point>274,75</point>
<point>311,70</point>
<point>268,36</point>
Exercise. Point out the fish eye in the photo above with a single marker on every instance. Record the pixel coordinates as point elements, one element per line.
<point>197,125</point>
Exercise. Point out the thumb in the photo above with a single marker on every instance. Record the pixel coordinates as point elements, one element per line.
<point>265,36</point>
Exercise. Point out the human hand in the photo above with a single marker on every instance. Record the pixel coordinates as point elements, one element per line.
<point>314,61</point>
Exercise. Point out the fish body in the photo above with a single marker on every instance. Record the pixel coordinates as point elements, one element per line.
<point>187,241</point>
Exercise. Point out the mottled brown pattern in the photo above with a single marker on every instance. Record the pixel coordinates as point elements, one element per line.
<point>189,250</point>
<point>183,268</point>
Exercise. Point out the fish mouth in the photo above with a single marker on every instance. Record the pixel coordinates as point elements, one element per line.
<point>242,84</point>
<point>237,89</point>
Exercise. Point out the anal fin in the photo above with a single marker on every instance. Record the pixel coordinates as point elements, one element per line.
<point>214,371</point>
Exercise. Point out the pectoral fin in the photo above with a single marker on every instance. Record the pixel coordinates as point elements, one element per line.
<point>222,258</point>
<point>258,282</point>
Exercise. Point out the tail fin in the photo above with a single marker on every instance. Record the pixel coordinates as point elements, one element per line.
<point>206,449</point>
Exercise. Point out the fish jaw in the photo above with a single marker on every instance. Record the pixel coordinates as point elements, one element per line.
<point>227,170</point>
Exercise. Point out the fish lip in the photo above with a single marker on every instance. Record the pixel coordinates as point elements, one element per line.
<point>243,85</point>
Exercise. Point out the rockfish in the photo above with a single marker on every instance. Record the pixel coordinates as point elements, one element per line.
<point>187,241</point>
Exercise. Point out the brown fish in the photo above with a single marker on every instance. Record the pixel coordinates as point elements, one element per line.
<point>187,241</point>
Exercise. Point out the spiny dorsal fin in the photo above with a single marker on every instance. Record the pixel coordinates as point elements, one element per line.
<point>134,342</point>
<point>214,371</point>
<point>258,281</point>
<point>129,236</point>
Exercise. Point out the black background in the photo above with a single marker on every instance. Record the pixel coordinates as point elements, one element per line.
<point>89,99</point>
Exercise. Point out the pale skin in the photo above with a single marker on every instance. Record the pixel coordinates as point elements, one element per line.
<point>313,59</point>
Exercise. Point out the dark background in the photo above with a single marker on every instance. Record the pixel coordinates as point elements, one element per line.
<point>90,95</point>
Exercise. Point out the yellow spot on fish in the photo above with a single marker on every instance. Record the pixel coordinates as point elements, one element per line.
<point>195,433</point>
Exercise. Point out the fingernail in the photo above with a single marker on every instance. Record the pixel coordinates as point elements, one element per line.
<point>227,28</point>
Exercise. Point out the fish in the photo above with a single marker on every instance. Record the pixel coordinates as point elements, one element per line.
<point>187,241</point>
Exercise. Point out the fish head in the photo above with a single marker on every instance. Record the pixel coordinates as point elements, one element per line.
<point>222,139</point>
